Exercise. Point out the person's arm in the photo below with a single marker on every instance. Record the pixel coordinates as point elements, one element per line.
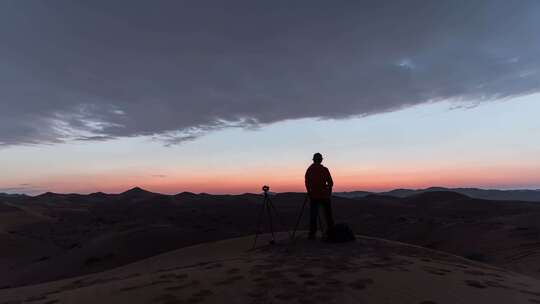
<point>329,181</point>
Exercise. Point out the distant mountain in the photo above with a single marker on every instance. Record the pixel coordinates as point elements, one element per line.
<point>353,194</point>
<point>98,195</point>
<point>12,198</point>
<point>49,195</point>
<point>520,195</point>
<point>436,196</point>
<point>487,194</point>
<point>10,195</point>
<point>185,194</point>
<point>400,192</point>
<point>136,193</point>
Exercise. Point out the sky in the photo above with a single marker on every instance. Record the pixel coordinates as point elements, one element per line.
<point>222,97</point>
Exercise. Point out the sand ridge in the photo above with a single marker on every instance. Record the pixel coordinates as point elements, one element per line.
<point>369,270</point>
<point>99,232</point>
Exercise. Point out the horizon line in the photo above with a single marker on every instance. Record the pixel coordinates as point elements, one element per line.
<point>276,192</point>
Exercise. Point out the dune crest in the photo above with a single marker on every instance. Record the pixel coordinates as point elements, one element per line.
<point>370,270</point>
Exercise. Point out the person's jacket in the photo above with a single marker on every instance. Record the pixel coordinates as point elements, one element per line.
<point>318,182</point>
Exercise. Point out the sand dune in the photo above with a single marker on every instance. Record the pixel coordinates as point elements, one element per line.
<point>370,270</point>
<point>58,236</point>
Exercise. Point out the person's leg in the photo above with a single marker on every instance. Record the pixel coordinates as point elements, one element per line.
<point>327,207</point>
<point>314,215</point>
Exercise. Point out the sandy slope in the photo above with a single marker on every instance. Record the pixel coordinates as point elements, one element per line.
<point>367,271</point>
<point>15,249</point>
<point>56,236</point>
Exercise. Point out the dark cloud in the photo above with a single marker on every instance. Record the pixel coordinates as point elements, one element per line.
<point>94,138</point>
<point>95,70</point>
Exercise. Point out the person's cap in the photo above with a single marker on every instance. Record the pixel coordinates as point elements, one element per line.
<point>317,156</point>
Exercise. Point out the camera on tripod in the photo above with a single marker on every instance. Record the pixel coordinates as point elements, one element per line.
<point>269,209</point>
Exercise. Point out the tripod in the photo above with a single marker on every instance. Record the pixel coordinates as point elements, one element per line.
<point>267,207</point>
<point>300,218</point>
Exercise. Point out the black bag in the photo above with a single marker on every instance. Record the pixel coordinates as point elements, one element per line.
<point>340,233</point>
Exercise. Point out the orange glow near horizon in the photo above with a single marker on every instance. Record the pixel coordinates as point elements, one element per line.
<point>488,146</point>
<point>382,180</point>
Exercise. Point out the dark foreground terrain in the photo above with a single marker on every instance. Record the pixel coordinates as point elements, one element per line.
<point>57,236</point>
<point>369,270</point>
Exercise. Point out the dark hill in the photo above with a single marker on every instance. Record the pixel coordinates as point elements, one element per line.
<point>437,196</point>
<point>136,194</point>
<point>486,194</point>
<point>136,191</point>
<point>48,195</point>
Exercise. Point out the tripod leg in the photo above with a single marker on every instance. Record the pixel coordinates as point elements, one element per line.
<point>267,203</point>
<point>259,223</point>
<point>299,217</point>
<point>277,215</point>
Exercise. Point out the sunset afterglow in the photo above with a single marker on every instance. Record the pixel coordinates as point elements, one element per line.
<point>222,98</point>
<point>444,146</point>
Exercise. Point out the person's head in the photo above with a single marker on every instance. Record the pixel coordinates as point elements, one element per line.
<point>317,158</point>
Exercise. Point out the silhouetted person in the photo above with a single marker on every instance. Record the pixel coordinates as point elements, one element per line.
<point>319,187</point>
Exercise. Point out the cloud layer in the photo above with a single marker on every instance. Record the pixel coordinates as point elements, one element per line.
<point>178,69</point>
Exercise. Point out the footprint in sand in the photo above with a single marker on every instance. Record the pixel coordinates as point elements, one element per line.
<point>361,283</point>
<point>167,299</point>
<point>259,279</point>
<point>274,274</point>
<point>311,283</point>
<point>306,275</point>
<point>35,298</point>
<point>213,266</point>
<point>437,271</point>
<point>174,276</point>
<point>233,270</point>
<point>475,284</point>
<point>333,282</point>
<point>286,296</point>
<point>182,286</point>
<point>256,294</point>
<point>159,282</point>
<point>532,293</point>
<point>496,285</point>
<point>229,280</point>
<point>200,295</point>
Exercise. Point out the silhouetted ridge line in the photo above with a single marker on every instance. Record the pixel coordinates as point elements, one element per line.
<point>185,194</point>
<point>487,194</point>
<point>136,191</point>
<point>99,195</point>
<point>437,196</point>
<point>48,194</point>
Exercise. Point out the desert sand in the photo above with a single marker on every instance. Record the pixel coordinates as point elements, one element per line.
<point>143,247</point>
<point>369,270</point>
<point>57,236</point>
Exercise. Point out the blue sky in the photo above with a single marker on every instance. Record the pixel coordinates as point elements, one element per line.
<point>222,96</point>
<point>489,145</point>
